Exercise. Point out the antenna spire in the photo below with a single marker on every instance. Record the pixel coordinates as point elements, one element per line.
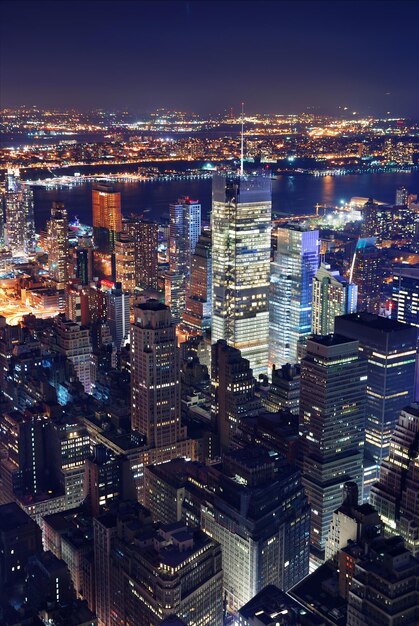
<point>242,144</point>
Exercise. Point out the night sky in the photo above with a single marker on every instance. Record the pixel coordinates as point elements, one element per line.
<point>208,56</point>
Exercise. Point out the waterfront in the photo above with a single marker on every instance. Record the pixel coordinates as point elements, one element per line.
<point>290,194</point>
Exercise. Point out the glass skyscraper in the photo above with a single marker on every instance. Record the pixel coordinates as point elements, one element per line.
<point>332,422</point>
<point>290,302</point>
<point>241,246</point>
<point>332,296</point>
<point>390,351</point>
<point>406,294</point>
<point>19,216</point>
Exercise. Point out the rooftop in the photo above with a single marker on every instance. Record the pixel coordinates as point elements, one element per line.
<point>375,322</point>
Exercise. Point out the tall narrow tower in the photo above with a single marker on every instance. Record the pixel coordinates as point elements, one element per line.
<point>57,233</point>
<point>155,375</point>
<point>332,414</point>
<point>241,247</point>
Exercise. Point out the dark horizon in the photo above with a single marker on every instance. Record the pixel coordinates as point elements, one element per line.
<point>279,57</point>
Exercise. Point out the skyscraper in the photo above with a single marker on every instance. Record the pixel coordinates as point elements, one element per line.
<point>197,314</point>
<point>389,348</point>
<point>73,341</point>
<point>241,244</point>
<point>232,391</point>
<point>184,230</point>
<point>84,261</point>
<point>290,300</point>
<point>395,496</point>
<point>366,273</point>
<point>332,414</point>
<point>57,238</point>
<point>118,314</point>
<point>19,217</point>
<point>155,375</point>
<point>145,236</point>
<point>332,296</point>
<point>125,262</point>
<point>406,294</point>
<point>107,217</point>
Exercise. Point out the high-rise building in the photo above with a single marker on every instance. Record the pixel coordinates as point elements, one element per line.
<point>57,238</point>
<point>332,415</point>
<point>118,314</point>
<point>84,261</point>
<point>125,262</point>
<point>290,302</point>
<point>19,215</point>
<point>332,296</point>
<point>377,220</point>
<point>145,236</point>
<point>155,375</point>
<point>184,230</point>
<point>23,462</point>
<point>241,247</point>
<point>406,294</point>
<point>102,482</point>
<point>389,349</point>
<point>366,273</point>
<point>73,341</point>
<point>385,586</point>
<point>68,445</point>
<point>260,516</point>
<point>107,217</point>
<point>395,496</point>
<point>232,391</point>
<point>197,314</point>
<point>178,570</point>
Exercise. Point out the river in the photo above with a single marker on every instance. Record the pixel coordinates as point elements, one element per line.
<point>296,194</point>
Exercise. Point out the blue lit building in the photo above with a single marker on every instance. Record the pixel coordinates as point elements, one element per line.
<point>290,301</point>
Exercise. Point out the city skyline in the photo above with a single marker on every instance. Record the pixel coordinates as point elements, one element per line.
<point>279,56</point>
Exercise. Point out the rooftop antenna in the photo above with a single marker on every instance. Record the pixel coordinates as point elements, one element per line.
<point>242,144</point>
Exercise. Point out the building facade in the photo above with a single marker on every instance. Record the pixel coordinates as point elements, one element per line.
<point>241,227</point>
<point>332,296</point>
<point>290,302</point>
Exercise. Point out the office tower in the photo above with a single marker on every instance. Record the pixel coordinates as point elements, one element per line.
<point>290,301</point>
<point>241,248</point>
<point>332,415</point>
<point>125,262</point>
<point>77,303</point>
<point>259,515</point>
<point>146,238</point>
<point>389,348</point>
<point>102,480</point>
<point>385,586</point>
<point>405,294</point>
<point>117,314</point>
<point>107,217</point>
<point>155,375</point>
<point>332,296</point>
<point>284,391</point>
<point>84,261</point>
<point>351,522</point>
<point>272,606</point>
<point>232,391</point>
<point>366,273</point>
<point>68,445</point>
<point>197,314</point>
<point>20,538</point>
<point>395,496</point>
<point>184,230</point>
<point>23,462</point>
<point>57,248</point>
<point>19,217</point>
<point>177,571</point>
<point>402,196</point>
<point>376,221</point>
<point>73,341</point>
